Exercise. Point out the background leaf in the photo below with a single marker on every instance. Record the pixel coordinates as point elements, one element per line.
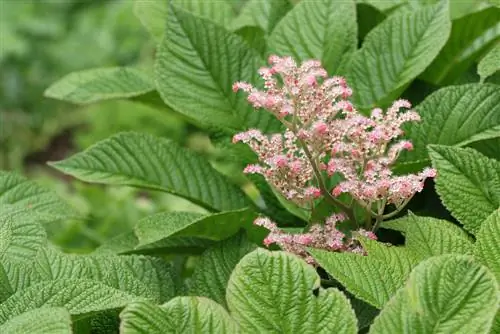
<point>445,294</point>
<point>51,320</point>
<point>146,161</point>
<point>468,184</point>
<point>490,63</point>
<point>262,14</point>
<point>488,243</point>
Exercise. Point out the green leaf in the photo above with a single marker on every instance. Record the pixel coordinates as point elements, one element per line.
<point>383,5</point>
<point>78,296</point>
<point>488,147</point>
<point>373,278</point>
<point>468,184</point>
<point>488,243</point>
<point>490,63</point>
<point>137,275</point>
<point>215,265</point>
<point>101,84</point>
<point>427,237</point>
<point>444,294</point>
<point>254,37</point>
<point>180,315</point>
<point>217,226</point>
<point>53,320</point>
<point>395,52</point>
<point>272,292</point>
<point>323,30</point>
<point>220,12</point>
<point>262,14</point>
<point>453,116</point>
<point>195,77</point>
<point>145,161</point>
<point>19,191</point>
<point>470,36</point>
<point>153,16</point>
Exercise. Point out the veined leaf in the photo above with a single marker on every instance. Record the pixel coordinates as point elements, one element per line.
<point>217,226</point>
<point>453,116</point>
<point>101,84</point>
<point>468,184</point>
<point>262,14</point>
<point>490,63</point>
<point>488,243</point>
<point>373,278</point>
<point>215,265</point>
<point>395,52</point>
<point>220,12</point>
<point>78,296</point>
<point>195,78</point>
<point>324,30</point>
<point>180,315</point>
<point>146,161</point>
<point>470,36</point>
<point>272,292</point>
<point>137,275</point>
<point>19,191</point>
<point>444,294</point>
<point>53,320</point>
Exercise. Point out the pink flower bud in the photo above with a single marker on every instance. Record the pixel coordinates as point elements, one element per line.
<point>320,128</point>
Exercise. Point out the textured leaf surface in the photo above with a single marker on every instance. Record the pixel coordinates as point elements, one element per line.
<point>215,265</point>
<point>487,248</point>
<point>470,36</point>
<point>262,14</point>
<point>395,52</point>
<point>373,278</point>
<point>490,63</point>
<point>445,294</point>
<point>19,191</point>
<point>453,116</point>
<point>219,12</point>
<point>272,292</point>
<point>76,295</point>
<point>101,84</point>
<point>195,77</point>
<point>39,321</point>
<point>180,315</point>
<point>146,161</point>
<point>468,184</point>
<point>137,275</point>
<point>170,224</point>
<point>324,30</point>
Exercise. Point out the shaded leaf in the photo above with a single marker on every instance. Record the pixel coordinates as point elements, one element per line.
<point>490,63</point>
<point>262,14</point>
<point>53,320</point>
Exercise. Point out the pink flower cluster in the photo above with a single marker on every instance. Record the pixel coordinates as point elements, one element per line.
<point>326,237</point>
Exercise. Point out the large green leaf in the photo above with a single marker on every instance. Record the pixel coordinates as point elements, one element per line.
<point>180,315</point>
<point>217,226</point>
<point>262,14</point>
<point>101,84</point>
<point>53,320</point>
<point>453,116</point>
<point>444,294</point>
<point>468,184</point>
<point>395,52</point>
<point>19,191</point>
<point>373,278</point>
<point>215,265</point>
<point>146,161</point>
<point>470,36</point>
<point>78,296</point>
<point>220,12</point>
<point>490,63</point>
<point>272,292</point>
<point>324,30</point>
<point>195,77</point>
<point>488,243</point>
<point>137,275</point>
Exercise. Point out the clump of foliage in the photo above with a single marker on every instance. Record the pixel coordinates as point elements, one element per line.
<point>336,184</point>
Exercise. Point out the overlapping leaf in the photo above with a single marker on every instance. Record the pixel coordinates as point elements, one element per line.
<point>323,30</point>
<point>53,320</point>
<point>444,294</point>
<point>395,52</point>
<point>271,292</point>
<point>468,184</point>
<point>488,243</point>
<point>195,77</point>
<point>146,161</point>
<point>262,14</point>
<point>101,84</point>
<point>180,315</point>
<point>454,116</point>
<point>490,63</point>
